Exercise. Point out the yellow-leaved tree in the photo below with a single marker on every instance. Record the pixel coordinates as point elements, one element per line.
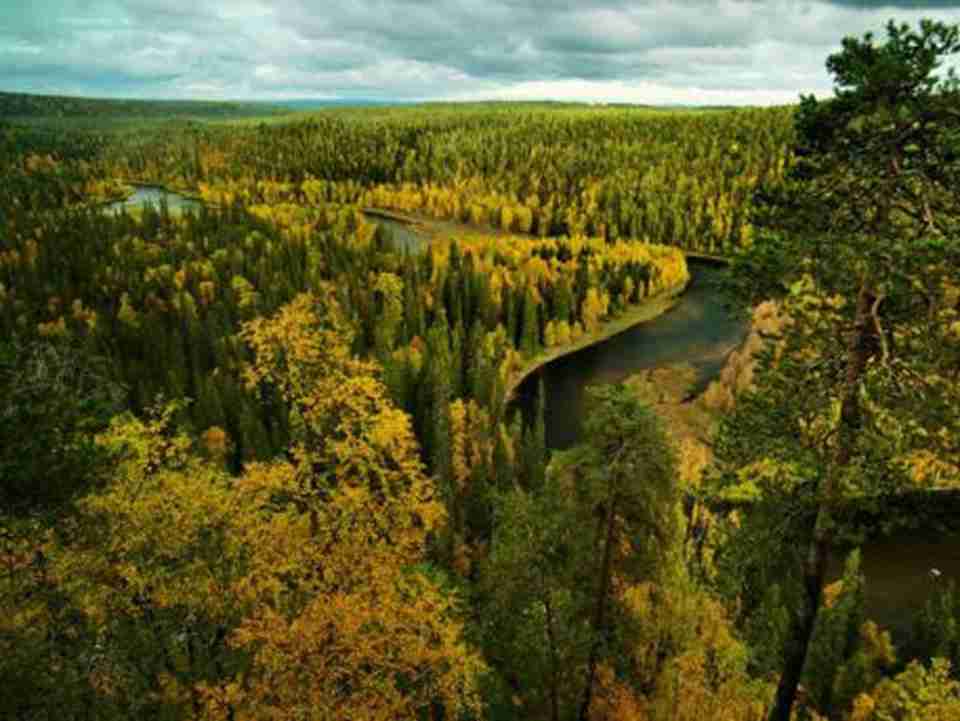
<point>299,589</point>
<point>346,622</point>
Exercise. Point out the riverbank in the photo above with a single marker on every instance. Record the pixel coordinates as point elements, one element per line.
<point>646,310</point>
<point>430,229</point>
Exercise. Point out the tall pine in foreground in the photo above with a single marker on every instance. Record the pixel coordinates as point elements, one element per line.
<point>860,397</point>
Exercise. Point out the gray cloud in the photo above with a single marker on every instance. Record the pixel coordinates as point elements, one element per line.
<point>738,51</point>
<point>898,4</point>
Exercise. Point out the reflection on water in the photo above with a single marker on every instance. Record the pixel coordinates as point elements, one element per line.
<point>155,195</point>
<point>401,235</point>
<point>698,331</point>
<point>404,238</point>
<point>898,575</point>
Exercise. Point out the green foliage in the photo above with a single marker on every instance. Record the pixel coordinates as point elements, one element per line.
<point>55,397</point>
<point>29,106</point>
<point>847,654</point>
<point>278,570</point>
<point>860,245</point>
<point>615,173</point>
<point>937,627</point>
<point>920,693</point>
<point>528,596</point>
<point>563,554</point>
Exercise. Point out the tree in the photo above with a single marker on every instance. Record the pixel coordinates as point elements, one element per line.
<point>860,243</point>
<point>533,446</point>
<point>626,478</point>
<point>530,327</point>
<point>563,552</point>
<point>531,604</point>
<point>55,397</point>
<point>917,694</point>
<point>299,588</point>
<point>390,290</point>
<point>346,619</point>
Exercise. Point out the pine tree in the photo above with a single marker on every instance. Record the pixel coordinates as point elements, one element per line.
<point>534,445</point>
<point>530,328</point>
<point>861,236</point>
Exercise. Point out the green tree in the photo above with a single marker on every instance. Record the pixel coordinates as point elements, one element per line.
<point>626,479</point>
<point>860,244</point>
<point>533,449</point>
<point>531,604</point>
<point>55,397</point>
<point>530,326</point>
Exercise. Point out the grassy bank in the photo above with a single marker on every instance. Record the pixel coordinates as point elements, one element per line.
<point>646,310</point>
<point>432,229</point>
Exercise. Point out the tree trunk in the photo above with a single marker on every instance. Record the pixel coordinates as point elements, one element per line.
<point>600,611</point>
<point>798,643</point>
<point>861,347</point>
<point>554,661</point>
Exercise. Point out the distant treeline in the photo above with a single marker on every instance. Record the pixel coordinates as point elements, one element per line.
<point>24,105</point>
<point>683,179</point>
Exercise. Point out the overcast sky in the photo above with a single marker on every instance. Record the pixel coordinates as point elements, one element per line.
<point>643,51</point>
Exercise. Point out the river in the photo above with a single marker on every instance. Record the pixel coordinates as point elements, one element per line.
<point>402,236</point>
<point>698,331</point>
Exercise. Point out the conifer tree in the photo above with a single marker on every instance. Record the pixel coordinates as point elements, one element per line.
<point>863,239</point>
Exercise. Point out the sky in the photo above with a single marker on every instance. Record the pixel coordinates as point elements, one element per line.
<point>738,52</point>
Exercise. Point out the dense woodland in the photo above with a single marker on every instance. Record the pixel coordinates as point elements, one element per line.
<point>259,460</point>
<point>28,107</point>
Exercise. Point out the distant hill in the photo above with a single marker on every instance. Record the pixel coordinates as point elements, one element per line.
<point>28,106</point>
<point>102,113</point>
<point>313,103</point>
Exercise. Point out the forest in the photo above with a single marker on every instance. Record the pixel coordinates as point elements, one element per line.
<point>263,458</point>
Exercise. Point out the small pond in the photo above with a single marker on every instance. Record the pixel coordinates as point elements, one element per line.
<point>402,235</point>
<point>156,195</point>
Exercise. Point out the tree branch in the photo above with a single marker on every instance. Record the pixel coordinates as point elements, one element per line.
<point>885,351</point>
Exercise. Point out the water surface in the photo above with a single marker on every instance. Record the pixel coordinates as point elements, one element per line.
<point>700,332</point>
<point>697,330</point>
<point>155,195</point>
<point>403,236</point>
<point>902,572</point>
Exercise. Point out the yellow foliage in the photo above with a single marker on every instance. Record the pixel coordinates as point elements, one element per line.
<point>310,561</point>
<point>687,648</point>
<point>54,328</point>
<point>359,511</point>
<point>928,470</point>
<point>917,694</point>
<point>127,314</point>
<point>207,292</point>
<point>550,334</point>
<point>615,700</point>
<point>216,441</point>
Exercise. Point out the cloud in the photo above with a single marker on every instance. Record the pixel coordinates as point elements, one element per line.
<point>731,51</point>
<point>898,4</point>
